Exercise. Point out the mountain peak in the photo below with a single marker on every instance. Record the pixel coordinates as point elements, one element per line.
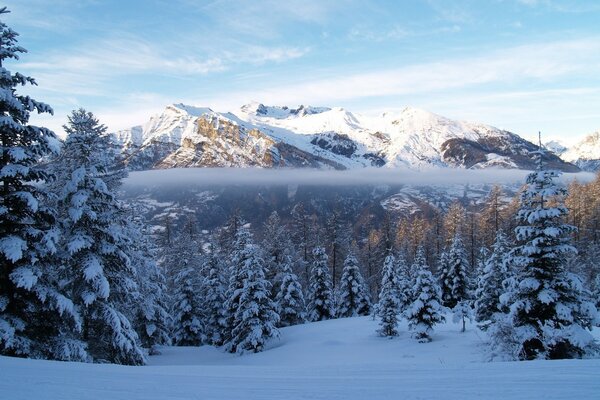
<point>180,108</point>
<point>280,112</point>
<point>586,153</point>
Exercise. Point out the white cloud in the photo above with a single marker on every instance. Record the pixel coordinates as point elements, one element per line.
<point>91,68</point>
<point>542,62</point>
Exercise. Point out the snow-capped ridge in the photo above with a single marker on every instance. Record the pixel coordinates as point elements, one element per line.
<point>586,153</point>
<point>190,110</point>
<point>307,136</point>
<point>280,112</point>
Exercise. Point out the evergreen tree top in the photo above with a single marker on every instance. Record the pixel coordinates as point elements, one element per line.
<point>15,109</point>
<point>8,40</point>
<point>419,261</point>
<point>83,122</point>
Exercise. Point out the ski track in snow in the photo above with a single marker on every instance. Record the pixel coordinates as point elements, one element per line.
<point>338,359</point>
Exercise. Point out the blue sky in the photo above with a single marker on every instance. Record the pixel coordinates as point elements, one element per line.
<point>521,65</point>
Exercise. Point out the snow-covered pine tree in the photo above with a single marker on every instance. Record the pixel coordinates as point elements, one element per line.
<point>443,270</point>
<point>290,299</point>
<point>152,318</point>
<point>214,299</point>
<point>254,316</point>
<point>34,311</point>
<point>242,240</point>
<point>454,278</point>
<point>354,296</point>
<point>320,294</point>
<point>186,284</point>
<point>426,309</point>
<point>596,292</point>
<point>227,236</point>
<point>549,313</point>
<point>405,283</point>
<point>275,243</point>
<point>95,242</point>
<point>462,312</point>
<point>489,282</point>
<point>388,306</point>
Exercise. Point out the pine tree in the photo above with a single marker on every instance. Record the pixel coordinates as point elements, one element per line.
<point>388,306</point>
<point>405,283</point>
<point>242,241</point>
<point>95,242</point>
<point>302,237</point>
<point>227,235</point>
<point>491,218</point>
<point>275,244</point>
<point>426,309</point>
<point>454,277</point>
<point>320,294</point>
<point>490,281</point>
<point>354,296</point>
<point>548,310</point>
<point>462,312</point>
<point>289,299</point>
<point>152,319</point>
<point>337,240</point>
<point>35,312</point>
<point>214,301</point>
<point>254,318</point>
<point>454,220</point>
<point>443,269</point>
<point>596,291</point>
<point>186,309</point>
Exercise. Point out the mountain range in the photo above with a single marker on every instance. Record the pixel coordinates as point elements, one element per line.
<point>319,137</point>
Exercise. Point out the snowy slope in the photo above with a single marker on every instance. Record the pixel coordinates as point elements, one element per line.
<point>586,153</point>
<point>338,359</point>
<point>268,136</point>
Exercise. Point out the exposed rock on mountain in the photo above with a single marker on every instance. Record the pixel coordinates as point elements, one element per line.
<point>319,137</point>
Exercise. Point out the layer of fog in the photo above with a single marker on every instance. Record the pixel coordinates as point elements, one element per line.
<point>366,176</point>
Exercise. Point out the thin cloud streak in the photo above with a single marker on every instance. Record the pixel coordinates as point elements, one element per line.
<point>522,63</point>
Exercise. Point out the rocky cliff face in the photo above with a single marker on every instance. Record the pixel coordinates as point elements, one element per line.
<point>317,137</point>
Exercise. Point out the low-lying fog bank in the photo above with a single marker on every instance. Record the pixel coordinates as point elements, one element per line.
<point>366,176</point>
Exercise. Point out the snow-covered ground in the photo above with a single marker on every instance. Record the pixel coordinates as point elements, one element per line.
<point>338,359</point>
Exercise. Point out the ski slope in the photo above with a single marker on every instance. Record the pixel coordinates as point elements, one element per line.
<point>338,359</point>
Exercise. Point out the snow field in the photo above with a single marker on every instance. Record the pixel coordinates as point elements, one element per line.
<point>335,359</point>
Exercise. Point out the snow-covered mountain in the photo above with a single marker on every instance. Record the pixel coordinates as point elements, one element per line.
<point>319,137</point>
<point>585,154</point>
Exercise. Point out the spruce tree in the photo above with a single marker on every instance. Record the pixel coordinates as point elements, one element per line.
<point>454,277</point>
<point>152,318</point>
<point>490,282</point>
<point>549,313</point>
<point>289,299</point>
<point>320,294</point>
<point>95,242</point>
<point>214,300</point>
<point>405,283</point>
<point>443,269</point>
<point>254,317</point>
<point>426,309</point>
<point>35,311</point>
<point>388,307</point>
<point>186,309</point>
<point>354,297</point>
<point>237,260</point>
<point>274,245</point>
